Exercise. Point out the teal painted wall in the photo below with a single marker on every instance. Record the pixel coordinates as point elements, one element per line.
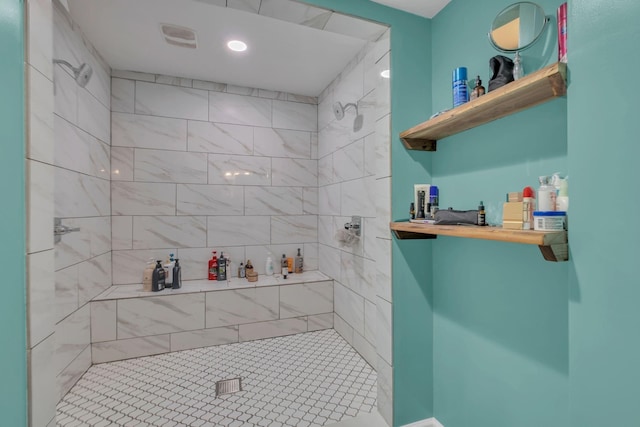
<point>13,366</point>
<point>603,151</point>
<point>412,292</point>
<point>500,310</point>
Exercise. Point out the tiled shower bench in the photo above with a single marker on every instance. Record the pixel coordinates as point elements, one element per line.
<point>128,322</point>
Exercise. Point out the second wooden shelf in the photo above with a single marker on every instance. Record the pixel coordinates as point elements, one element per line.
<point>552,244</point>
<point>534,89</point>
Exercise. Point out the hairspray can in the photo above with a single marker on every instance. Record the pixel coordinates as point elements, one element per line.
<point>460,88</point>
<point>562,33</point>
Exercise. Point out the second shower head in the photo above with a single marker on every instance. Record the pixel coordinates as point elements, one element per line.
<point>82,74</point>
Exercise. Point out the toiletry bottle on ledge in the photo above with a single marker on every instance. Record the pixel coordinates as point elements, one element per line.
<point>518,69</point>
<point>433,200</point>
<point>241,271</point>
<point>482,217</point>
<point>157,283</point>
<point>177,275</point>
<point>222,268</point>
<point>168,267</point>
<point>299,263</point>
<point>460,88</point>
<point>268,268</point>
<point>213,267</point>
<point>284,267</point>
<point>147,276</point>
<point>478,90</point>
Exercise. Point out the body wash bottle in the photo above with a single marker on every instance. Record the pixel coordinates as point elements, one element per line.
<point>177,275</point>
<point>299,263</point>
<point>157,280</point>
<point>222,268</point>
<point>268,268</point>
<point>284,266</point>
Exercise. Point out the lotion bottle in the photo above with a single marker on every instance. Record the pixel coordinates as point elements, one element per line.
<point>176,274</point>
<point>268,268</point>
<point>147,276</point>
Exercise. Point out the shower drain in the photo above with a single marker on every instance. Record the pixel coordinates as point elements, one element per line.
<point>232,385</point>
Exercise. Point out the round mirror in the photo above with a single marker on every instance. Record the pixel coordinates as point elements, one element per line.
<point>517,27</point>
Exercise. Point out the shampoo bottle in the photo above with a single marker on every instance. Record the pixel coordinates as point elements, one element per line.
<point>177,275</point>
<point>299,263</point>
<point>147,276</point>
<point>482,217</point>
<point>213,267</point>
<point>528,206</point>
<point>241,271</point>
<point>222,267</point>
<point>168,267</point>
<point>268,268</point>
<point>284,267</point>
<point>290,265</point>
<point>157,280</point>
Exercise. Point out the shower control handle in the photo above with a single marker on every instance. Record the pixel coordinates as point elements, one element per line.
<point>59,230</point>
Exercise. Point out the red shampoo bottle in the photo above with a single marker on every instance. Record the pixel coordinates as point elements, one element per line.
<point>213,267</point>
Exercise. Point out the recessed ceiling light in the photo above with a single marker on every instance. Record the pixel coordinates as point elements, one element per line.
<point>385,73</point>
<point>237,46</point>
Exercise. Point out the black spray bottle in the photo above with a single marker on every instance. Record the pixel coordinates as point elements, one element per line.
<point>177,275</point>
<point>157,280</point>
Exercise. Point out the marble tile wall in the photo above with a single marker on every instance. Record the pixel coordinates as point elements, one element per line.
<point>201,166</point>
<point>354,178</point>
<point>80,175</point>
<point>142,326</point>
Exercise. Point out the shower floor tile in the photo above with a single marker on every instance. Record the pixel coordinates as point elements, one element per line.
<point>309,379</point>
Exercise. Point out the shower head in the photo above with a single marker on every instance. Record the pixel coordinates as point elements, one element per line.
<point>339,109</point>
<point>82,74</point>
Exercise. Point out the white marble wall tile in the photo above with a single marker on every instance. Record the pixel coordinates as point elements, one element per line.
<point>100,84</point>
<point>170,166</point>
<point>133,75</point>
<point>310,201</point>
<point>40,35</point>
<point>383,147</point>
<point>78,195</point>
<point>217,87</point>
<point>294,229</point>
<point>295,12</point>
<point>127,349</point>
<point>370,154</point>
<point>272,95</point>
<point>382,45</point>
<point>72,373</point>
<point>326,231</point>
<point>239,170</point>
<point>370,321</point>
<point>141,198</point>
<point>94,238</point>
<point>40,190</point>
<point>242,90</point>
<point>238,231</point>
<point>314,145</point>
<point>99,229</point>
<point>133,130</point>
<point>383,207</point>
<point>103,321</point>
<point>258,256</point>
<point>282,143</point>
<point>348,162</point>
<point>219,138</point>
<point>204,338</point>
<point>335,135</point>
<point>239,110</point>
<point>319,322</point>
<point>273,200</point>
<point>128,266</point>
<point>350,88</point>
<point>325,110</point>
<point>325,170</point>
<point>302,98</point>
<point>365,349</point>
<point>174,81</point>
<point>42,383</point>
<point>171,101</point>
<point>121,164</point>
<point>195,261</point>
<point>384,333</point>
<point>94,117</point>
<point>66,43</point>
<point>138,317</point>
<point>123,95</point>
<point>306,298</point>
<point>275,328</point>
<point>371,73</point>
<point>358,197</point>
<point>359,275</point>
<point>294,172</point>
<point>385,390</point>
<point>329,261</point>
<point>383,89</point>
<point>369,243</point>
<point>294,115</point>
<point>349,306</point>
<point>358,28</point>
<point>40,144</point>
<point>343,328</point>
<point>72,336</point>
<point>152,232</point>
<point>240,306</point>
<point>252,6</point>
<point>366,108</point>
<point>79,151</point>
<point>383,269</point>
<point>310,252</point>
<point>65,95</point>
<point>196,199</point>
<point>66,292</point>
<point>329,200</point>
<point>41,291</point>
<point>94,276</point>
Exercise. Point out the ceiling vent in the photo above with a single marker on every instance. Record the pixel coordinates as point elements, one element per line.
<point>179,36</point>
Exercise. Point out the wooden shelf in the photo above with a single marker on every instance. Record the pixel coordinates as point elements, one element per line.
<point>552,244</point>
<point>534,89</point>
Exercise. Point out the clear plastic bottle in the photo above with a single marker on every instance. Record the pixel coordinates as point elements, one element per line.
<point>546,195</point>
<point>518,69</point>
<point>268,266</point>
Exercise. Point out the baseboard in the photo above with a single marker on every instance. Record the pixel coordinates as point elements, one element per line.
<point>429,422</point>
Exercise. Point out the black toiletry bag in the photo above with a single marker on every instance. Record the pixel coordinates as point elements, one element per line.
<point>453,217</point>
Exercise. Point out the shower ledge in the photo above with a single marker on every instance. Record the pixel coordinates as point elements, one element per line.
<point>116,292</point>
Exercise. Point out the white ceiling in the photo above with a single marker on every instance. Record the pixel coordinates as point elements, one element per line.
<point>282,56</point>
<point>426,8</point>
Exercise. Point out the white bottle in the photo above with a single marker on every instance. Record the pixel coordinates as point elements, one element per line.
<point>546,195</point>
<point>168,268</point>
<point>268,267</point>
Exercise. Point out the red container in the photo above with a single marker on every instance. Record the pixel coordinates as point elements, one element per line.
<point>213,267</point>
<point>562,33</point>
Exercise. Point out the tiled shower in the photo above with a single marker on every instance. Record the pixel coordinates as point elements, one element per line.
<point>148,165</point>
